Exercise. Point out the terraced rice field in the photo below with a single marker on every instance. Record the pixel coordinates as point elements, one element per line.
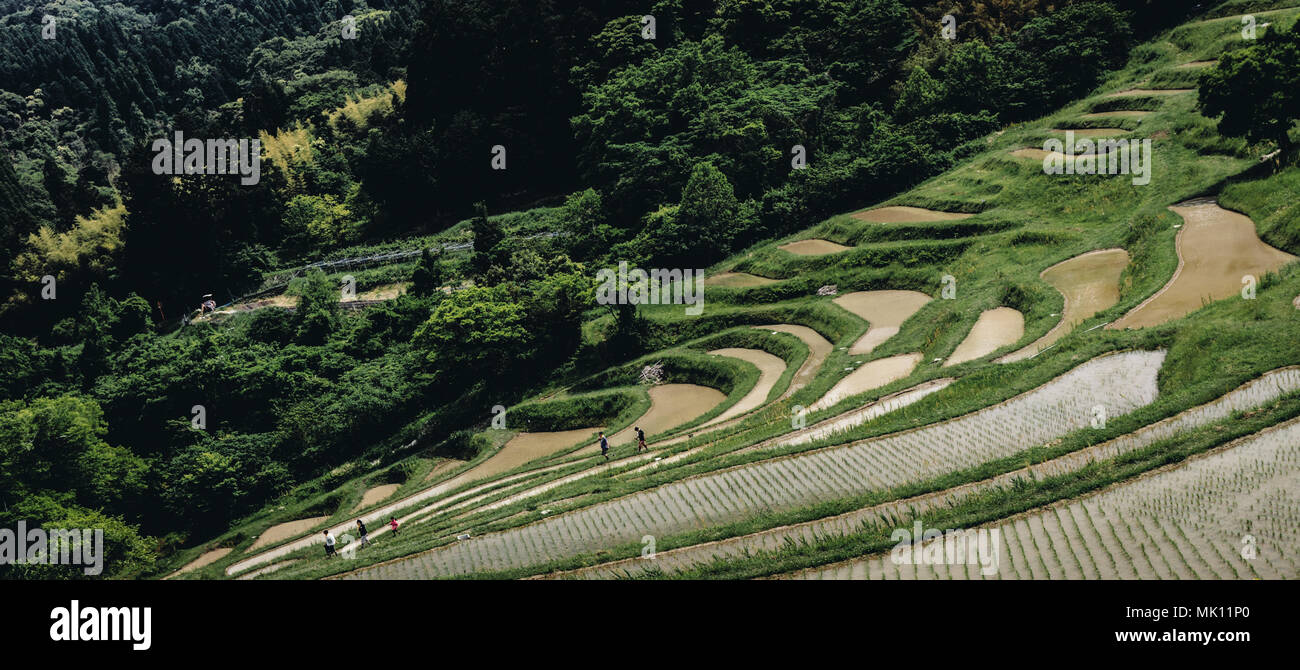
<point>770,369</point>
<point>1120,382</point>
<point>286,530</point>
<point>825,428</point>
<point>377,494</point>
<point>1127,113</point>
<point>871,375</point>
<point>884,310</point>
<point>1093,132</point>
<point>902,214</point>
<point>818,349</point>
<point>526,447</point>
<point>434,493</point>
<point>1043,155</point>
<point>1150,91</point>
<point>737,280</point>
<point>995,328</point>
<point>813,247</point>
<point>1216,249</point>
<point>1188,521</point>
<point>274,567</point>
<point>207,558</point>
<point>1090,284</point>
<point>671,405</point>
<point>1268,388</point>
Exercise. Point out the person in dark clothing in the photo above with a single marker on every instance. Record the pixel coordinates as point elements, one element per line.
<point>604,446</point>
<point>640,440</point>
<point>361,528</point>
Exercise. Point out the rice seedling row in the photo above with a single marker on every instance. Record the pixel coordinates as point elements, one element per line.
<point>1266,388</point>
<point>1190,521</point>
<point>1122,382</point>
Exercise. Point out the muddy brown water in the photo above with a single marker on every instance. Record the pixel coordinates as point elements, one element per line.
<point>884,310</point>
<point>1090,284</point>
<point>737,280</point>
<point>376,494</point>
<point>903,214</point>
<point>441,468</point>
<point>671,405</point>
<point>523,448</point>
<point>286,530</point>
<point>1216,249</point>
<point>208,558</point>
<point>872,375</point>
<point>770,369</point>
<point>813,247</point>
<point>818,349</point>
<point>996,328</point>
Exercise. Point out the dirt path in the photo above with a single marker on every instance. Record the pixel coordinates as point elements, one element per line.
<point>1090,284</point>
<point>1197,63</point>
<point>884,310</point>
<point>996,328</point>
<point>813,247</point>
<point>770,369</point>
<point>903,214</point>
<point>1252,394</point>
<point>737,280</point>
<point>871,375</point>
<point>385,292</point>
<point>1216,249</point>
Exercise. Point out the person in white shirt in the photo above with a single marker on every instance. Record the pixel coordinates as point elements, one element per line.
<point>329,544</point>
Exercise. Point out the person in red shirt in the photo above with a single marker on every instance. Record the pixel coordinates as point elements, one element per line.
<point>392,523</point>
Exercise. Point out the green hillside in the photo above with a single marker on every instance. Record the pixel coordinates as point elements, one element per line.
<point>995,439</point>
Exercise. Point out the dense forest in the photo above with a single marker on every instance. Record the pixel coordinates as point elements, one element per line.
<point>665,144</point>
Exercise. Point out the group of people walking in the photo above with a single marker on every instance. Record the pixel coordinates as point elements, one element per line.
<point>330,541</point>
<point>640,442</point>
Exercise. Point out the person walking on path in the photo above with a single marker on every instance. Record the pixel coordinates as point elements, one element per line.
<point>392,523</point>
<point>640,440</point>
<point>361,528</point>
<point>329,544</point>
<point>604,445</point>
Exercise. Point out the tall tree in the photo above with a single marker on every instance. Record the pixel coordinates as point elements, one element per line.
<point>1253,90</point>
